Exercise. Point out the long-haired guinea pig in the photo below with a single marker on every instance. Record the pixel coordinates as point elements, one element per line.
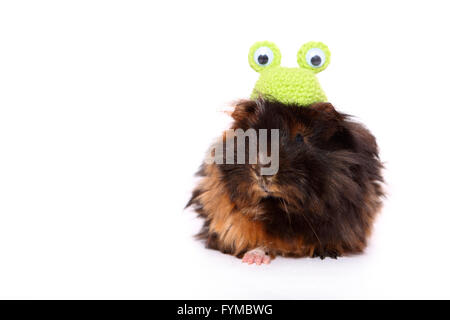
<point>320,203</point>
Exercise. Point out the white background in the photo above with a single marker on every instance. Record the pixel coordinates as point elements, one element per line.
<point>106,111</point>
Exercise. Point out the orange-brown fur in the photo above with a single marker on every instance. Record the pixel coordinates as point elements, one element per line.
<point>295,219</point>
<point>238,232</point>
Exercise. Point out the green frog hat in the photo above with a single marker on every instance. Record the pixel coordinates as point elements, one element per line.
<point>297,86</point>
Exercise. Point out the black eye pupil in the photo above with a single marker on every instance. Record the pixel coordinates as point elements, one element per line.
<point>299,138</point>
<point>263,59</point>
<point>316,60</point>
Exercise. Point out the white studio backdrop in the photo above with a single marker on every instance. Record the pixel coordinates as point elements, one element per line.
<point>107,109</point>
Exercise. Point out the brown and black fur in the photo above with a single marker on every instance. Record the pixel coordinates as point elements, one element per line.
<point>323,200</point>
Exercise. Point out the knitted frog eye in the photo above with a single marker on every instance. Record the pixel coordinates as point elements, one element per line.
<point>264,54</point>
<point>314,56</point>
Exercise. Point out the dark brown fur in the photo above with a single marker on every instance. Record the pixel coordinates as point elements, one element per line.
<point>322,201</point>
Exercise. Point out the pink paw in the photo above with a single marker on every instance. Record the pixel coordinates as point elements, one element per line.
<point>257,256</point>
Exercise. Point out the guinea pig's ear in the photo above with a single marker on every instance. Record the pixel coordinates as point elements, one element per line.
<point>246,110</point>
<point>328,110</point>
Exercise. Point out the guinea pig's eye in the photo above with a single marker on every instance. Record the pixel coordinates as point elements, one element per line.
<point>263,56</point>
<point>299,138</point>
<point>315,57</point>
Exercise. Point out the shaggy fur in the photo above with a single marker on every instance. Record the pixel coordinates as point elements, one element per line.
<point>323,200</point>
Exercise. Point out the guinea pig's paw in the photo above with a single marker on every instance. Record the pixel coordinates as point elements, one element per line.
<point>257,256</point>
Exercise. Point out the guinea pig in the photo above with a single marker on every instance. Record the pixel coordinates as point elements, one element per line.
<point>321,202</point>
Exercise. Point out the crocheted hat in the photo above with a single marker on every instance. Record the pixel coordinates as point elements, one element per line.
<point>297,86</point>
